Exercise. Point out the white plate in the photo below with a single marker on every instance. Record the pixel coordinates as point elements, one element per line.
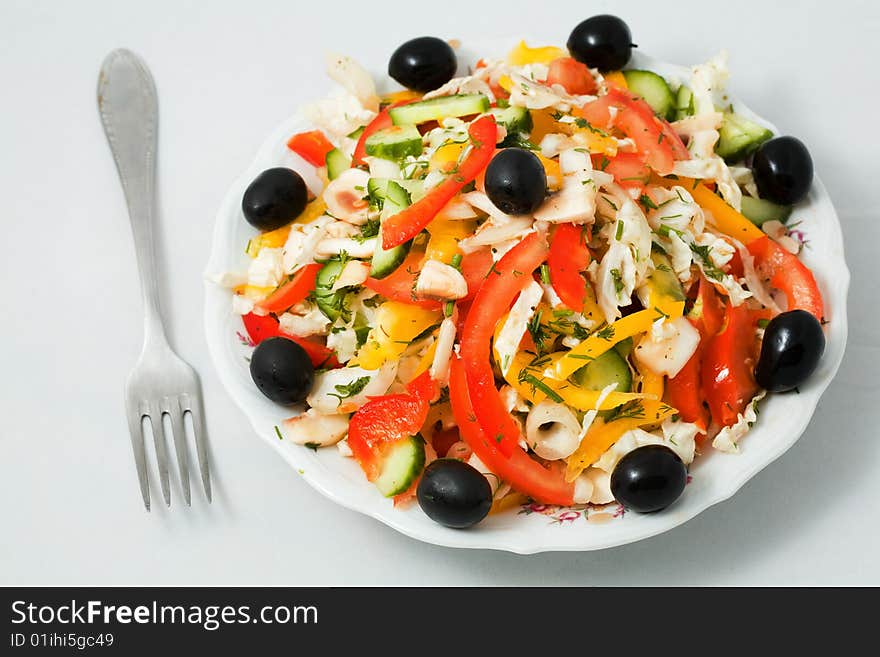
<point>531,528</point>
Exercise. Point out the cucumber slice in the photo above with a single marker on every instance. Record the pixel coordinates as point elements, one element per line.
<point>336,163</point>
<point>355,134</point>
<point>739,137</point>
<point>624,347</point>
<point>329,302</point>
<point>653,89</point>
<point>514,119</point>
<point>758,210</point>
<point>663,279</point>
<point>395,143</point>
<point>377,189</point>
<point>439,108</point>
<point>402,463</point>
<point>606,369</point>
<point>395,199</point>
<point>684,103</point>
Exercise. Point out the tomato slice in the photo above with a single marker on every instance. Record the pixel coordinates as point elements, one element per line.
<point>507,279</point>
<point>292,292</point>
<point>787,273</point>
<point>260,327</point>
<point>518,469</point>
<point>312,146</point>
<point>569,256</point>
<point>385,420</point>
<point>400,284</point>
<point>597,112</point>
<point>574,76</point>
<point>727,375</point>
<point>628,169</point>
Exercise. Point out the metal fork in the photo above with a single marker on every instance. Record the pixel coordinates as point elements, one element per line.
<point>161,383</point>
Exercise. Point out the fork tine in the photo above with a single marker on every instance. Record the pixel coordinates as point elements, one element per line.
<point>161,451</point>
<point>172,407</point>
<point>137,444</point>
<point>194,406</point>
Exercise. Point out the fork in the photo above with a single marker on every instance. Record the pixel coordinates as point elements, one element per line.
<point>161,383</point>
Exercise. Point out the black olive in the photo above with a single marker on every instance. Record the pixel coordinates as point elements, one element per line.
<point>282,370</point>
<point>602,42</point>
<point>454,494</point>
<point>275,198</point>
<point>516,182</point>
<point>423,64</point>
<point>648,479</point>
<point>783,170</point>
<point>790,352</point>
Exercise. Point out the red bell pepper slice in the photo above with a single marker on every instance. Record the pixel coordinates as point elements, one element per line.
<point>684,392</point>
<point>475,266</point>
<point>260,327</point>
<point>728,363</point>
<point>405,225</point>
<point>569,256</point>
<point>400,284</point>
<point>312,146</point>
<point>385,420</point>
<point>787,273</point>
<point>506,280</point>
<point>708,311</point>
<point>292,292</point>
<point>518,469</point>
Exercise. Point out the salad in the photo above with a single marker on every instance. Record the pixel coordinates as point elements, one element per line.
<point>554,277</point>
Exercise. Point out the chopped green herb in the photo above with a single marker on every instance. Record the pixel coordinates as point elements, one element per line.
<point>312,446</point>
<point>618,281</point>
<point>448,308</point>
<point>605,333</point>
<point>278,433</point>
<point>648,202</point>
<point>456,261</point>
<point>344,391</point>
<point>619,233</point>
<point>545,274</point>
<point>538,384</point>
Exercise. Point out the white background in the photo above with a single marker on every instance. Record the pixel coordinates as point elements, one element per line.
<point>227,74</point>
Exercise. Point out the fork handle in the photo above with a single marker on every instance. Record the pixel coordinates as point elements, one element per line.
<point>129,112</point>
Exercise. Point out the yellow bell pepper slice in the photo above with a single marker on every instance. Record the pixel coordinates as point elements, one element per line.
<point>616,79</point>
<point>523,54</point>
<point>560,391</point>
<point>601,435</point>
<point>652,383</point>
<point>398,96</point>
<point>601,341</point>
<point>509,501</point>
<point>254,292</point>
<point>446,157</point>
<point>397,324</point>
<point>445,236</point>
<point>552,171</point>
<point>543,124</point>
<point>271,240</point>
<point>724,218</point>
<point>313,210</point>
<point>425,361</point>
